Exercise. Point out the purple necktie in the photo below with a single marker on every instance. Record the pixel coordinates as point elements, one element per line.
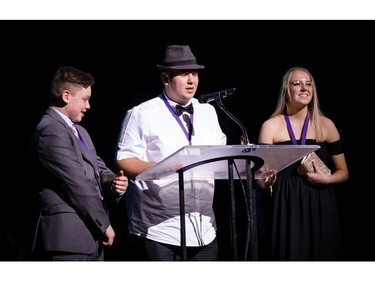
<point>74,130</point>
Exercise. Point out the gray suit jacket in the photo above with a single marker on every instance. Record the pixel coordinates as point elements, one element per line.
<point>72,184</point>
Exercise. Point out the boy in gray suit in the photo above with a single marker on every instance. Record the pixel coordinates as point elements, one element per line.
<point>72,181</point>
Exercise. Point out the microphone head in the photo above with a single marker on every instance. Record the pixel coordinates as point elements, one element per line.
<point>214,96</point>
<point>202,99</point>
<point>230,91</point>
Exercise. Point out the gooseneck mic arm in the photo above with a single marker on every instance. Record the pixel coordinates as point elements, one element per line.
<point>218,96</point>
<point>244,132</point>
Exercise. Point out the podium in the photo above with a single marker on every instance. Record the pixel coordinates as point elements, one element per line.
<point>217,162</point>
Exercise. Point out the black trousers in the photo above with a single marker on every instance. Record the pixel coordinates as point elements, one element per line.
<point>155,251</point>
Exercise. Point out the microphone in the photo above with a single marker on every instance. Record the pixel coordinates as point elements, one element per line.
<point>214,96</point>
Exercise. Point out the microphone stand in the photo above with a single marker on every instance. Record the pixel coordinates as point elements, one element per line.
<point>251,214</point>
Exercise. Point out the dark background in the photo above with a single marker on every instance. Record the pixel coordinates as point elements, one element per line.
<point>249,55</point>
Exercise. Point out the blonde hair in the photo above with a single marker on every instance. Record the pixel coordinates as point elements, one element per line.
<point>313,107</point>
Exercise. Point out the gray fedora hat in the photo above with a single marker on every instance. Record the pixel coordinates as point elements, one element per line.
<point>178,57</point>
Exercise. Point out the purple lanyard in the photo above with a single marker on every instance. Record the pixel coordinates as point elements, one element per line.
<point>304,130</point>
<point>187,134</point>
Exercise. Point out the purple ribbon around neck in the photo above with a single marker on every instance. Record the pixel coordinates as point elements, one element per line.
<point>187,134</point>
<point>304,130</point>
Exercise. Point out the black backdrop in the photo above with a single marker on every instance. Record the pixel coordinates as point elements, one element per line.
<point>250,55</point>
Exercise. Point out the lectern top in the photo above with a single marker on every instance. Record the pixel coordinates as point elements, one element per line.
<point>211,161</point>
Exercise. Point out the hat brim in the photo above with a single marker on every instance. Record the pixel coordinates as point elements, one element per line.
<point>181,67</point>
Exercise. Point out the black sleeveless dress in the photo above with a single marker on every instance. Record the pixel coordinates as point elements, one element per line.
<point>305,222</point>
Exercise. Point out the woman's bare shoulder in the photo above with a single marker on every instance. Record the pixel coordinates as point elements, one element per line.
<point>273,122</point>
<point>329,128</point>
<point>269,128</point>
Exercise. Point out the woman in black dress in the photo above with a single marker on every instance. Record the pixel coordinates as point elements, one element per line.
<point>305,219</point>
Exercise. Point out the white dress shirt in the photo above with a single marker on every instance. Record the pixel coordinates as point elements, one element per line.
<point>150,132</point>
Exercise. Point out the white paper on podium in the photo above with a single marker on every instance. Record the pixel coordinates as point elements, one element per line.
<point>198,161</point>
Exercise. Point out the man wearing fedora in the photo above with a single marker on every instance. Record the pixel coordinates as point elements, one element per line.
<point>152,131</point>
